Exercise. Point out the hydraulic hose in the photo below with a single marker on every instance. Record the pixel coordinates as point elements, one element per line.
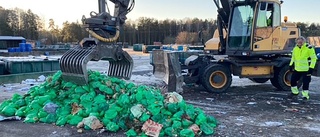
<point>97,36</point>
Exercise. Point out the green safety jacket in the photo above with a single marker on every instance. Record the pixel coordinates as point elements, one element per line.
<point>301,57</point>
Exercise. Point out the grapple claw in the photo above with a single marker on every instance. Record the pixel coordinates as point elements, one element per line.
<point>73,63</point>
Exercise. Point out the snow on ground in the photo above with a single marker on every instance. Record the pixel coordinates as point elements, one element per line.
<point>142,73</point>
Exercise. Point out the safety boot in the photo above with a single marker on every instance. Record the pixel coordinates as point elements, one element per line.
<point>294,93</point>
<point>305,96</point>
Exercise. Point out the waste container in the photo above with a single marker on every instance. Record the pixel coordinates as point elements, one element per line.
<point>22,47</point>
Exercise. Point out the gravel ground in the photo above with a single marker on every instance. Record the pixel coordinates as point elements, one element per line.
<point>247,109</point>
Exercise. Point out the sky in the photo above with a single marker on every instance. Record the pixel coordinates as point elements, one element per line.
<point>73,10</point>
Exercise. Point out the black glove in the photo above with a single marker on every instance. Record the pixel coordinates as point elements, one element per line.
<point>310,71</point>
<point>291,68</point>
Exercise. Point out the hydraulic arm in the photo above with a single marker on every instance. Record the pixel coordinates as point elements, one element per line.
<point>104,30</point>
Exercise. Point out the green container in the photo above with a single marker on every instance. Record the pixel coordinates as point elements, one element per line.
<point>149,48</point>
<point>2,68</point>
<point>183,55</point>
<point>137,47</point>
<point>30,66</point>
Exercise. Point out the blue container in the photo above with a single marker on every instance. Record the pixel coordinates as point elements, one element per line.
<point>28,48</point>
<point>317,50</point>
<point>180,48</point>
<point>22,47</point>
<point>46,53</point>
<point>17,49</point>
<point>11,50</point>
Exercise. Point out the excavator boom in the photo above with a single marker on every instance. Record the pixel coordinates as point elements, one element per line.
<point>104,30</point>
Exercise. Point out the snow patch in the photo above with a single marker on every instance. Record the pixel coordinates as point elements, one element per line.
<point>272,124</point>
<point>145,80</point>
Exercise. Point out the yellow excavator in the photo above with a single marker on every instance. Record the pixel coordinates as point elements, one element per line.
<point>251,42</point>
<point>251,39</point>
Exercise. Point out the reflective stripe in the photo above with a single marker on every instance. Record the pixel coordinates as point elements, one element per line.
<point>302,68</point>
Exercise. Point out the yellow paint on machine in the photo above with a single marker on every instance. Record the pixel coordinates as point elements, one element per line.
<point>256,70</point>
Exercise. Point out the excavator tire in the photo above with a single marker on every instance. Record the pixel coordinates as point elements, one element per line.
<point>259,80</point>
<point>216,78</point>
<point>282,78</point>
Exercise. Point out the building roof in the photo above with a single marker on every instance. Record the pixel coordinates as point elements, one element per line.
<point>11,38</point>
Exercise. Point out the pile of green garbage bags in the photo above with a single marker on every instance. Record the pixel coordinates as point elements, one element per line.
<point>109,103</point>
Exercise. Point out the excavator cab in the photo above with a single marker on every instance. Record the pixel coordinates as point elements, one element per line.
<point>250,42</point>
<point>104,31</point>
<point>255,29</point>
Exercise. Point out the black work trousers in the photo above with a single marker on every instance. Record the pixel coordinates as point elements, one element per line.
<point>296,76</point>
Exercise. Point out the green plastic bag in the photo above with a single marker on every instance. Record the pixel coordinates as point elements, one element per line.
<point>173,107</point>
<point>86,98</point>
<point>113,127</point>
<point>67,84</point>
<point>9,110</point>
<point>106,89</point>
<point>165,112</point>
<point>20,102</point>
<point>42,99</point>
<point>82,113</point>
<point>50,118</point>
<point>144,117</point>
<point>166,123</point>
<point>16,97</point>
<point>123,123</point>
<point>74,120</point>
<point>86,88</point>
<point>130,86</point>
<point>4,104</point>
<point>62,121</point>
<point>100,99</point>
<point>42,114</point>
<point>186,133</point>
<point>35,105</point>
<point>191,112</point>
<point>64,111</point>
<point>212,121</point>
<point>123,100</point>
<point>110,114</point>
<point>80,90</point>
<point>105,121</point>
<point>206,129</point>
<point>31,118</point>
<point>169,131</point>
<point>177,125</point>
<point>186,123</point>
<point>52,93</point>
<point>201,118</point>
<point>131,133</point>
<point>20,112</point>
<point>115,80</point>
<point>95,114</point>
<point>154,109</point>
<point>95,84</point>
<point>140,95</point>
<point>75,97</point>
<point>177,116</point>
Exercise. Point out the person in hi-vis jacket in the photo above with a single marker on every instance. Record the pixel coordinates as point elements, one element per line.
<point>302,64</point>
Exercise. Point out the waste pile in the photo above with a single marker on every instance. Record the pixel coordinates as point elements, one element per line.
<point>111,104</point>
